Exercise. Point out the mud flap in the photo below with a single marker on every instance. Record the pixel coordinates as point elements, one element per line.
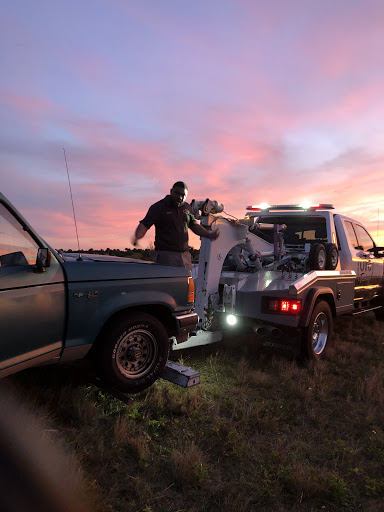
<point>287,344</point>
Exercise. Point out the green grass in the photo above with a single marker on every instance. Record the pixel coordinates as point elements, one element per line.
<point>260,433</point>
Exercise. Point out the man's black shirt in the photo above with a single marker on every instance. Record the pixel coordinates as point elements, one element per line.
<point>171,224</point>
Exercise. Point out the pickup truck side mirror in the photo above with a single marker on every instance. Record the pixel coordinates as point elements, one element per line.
<point>43,259</point>
<point>364,254</point>
<point>377,251</point>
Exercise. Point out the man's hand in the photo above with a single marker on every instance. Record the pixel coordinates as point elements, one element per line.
<point>200,230</point>
<point>214,234</point>
<point>139,233</point>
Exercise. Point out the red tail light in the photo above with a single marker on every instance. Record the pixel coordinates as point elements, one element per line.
<point>286,306</point>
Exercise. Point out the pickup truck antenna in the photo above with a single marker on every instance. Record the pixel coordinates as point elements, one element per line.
<point>73,207</point>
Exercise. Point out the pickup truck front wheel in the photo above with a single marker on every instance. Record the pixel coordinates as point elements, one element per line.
<point>133,352</point>
<point>318,335</point>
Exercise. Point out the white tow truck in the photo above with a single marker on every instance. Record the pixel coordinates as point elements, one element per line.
<point>285,271</point>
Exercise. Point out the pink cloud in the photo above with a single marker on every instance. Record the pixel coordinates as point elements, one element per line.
<point>26,104</point>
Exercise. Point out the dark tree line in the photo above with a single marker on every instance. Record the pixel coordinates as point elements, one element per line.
<point>138,254</point>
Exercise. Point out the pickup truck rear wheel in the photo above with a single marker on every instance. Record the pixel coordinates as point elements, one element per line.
<point>133,352</point>
<point>318,335</point>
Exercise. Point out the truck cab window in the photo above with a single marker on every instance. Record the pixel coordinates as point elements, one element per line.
<point>351,235</point>
<point>363,237</point>
<point>299,230</point>
<point>16,245</point>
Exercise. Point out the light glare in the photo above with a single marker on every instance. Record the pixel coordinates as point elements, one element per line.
<point>305,205</point>
<point>231,319</point>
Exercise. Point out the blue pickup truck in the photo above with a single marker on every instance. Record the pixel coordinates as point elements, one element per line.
<point>56,308</point>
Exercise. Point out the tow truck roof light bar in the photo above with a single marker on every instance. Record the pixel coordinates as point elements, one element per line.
<point>302,207</point>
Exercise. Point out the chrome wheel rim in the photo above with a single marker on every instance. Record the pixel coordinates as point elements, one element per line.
<point>334,258</point>
<point>320,333</point>
<point>321,259</point>
<point>136,353</point>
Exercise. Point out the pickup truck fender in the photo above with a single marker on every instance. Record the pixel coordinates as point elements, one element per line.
<point>90,310</point>
<point>312,297</point>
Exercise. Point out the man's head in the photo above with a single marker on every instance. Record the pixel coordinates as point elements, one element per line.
<point>179,193</point>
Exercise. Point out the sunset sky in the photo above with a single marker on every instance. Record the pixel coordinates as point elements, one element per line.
<point>248,101</point>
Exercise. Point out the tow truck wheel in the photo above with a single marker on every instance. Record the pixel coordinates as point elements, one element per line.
<point>318,335</point>
<point>332,256</point>
<point>379,314</point>
<point>317,257</point>
<point>133,352</point>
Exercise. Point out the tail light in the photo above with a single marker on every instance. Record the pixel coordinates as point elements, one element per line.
<point>191,290</point>
<point>284,306</point>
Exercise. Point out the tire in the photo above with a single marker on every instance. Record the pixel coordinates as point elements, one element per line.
<point>332,256</point>
<point>317,257</point>
<point>317,337</point>
<point>379,314</point>
<point>133,353</point>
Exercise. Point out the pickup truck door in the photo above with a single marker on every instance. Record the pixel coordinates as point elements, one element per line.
<point>32,304</point>
<point>368,268</point>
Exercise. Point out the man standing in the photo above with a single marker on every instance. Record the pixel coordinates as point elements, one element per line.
<point>172,218</point>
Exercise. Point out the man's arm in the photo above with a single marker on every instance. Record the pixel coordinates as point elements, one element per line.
<point>139,233</point>
<point>200,230</point>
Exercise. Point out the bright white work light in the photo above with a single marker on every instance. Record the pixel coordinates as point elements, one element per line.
<point>305,205</point>
<point>231,319</point>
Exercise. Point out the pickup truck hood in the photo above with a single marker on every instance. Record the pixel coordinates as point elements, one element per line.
<point>100,267</point>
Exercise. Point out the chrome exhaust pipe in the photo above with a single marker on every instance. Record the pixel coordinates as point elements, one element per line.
<point>260,330</point>
<point>266,330</point>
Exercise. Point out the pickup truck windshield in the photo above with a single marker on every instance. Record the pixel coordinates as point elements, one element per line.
<point>299,231</point>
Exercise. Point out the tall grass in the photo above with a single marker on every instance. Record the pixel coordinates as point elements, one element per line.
<point>260,433</point>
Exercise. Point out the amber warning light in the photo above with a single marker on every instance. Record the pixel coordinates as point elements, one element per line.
<point>191,290</point>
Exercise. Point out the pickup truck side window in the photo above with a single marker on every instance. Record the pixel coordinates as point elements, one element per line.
<point>352,235</point>
<point>16,245</point>
<point>365,241</point>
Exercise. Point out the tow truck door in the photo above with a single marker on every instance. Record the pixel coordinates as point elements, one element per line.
<point>368,268</point>
<point>32,305</point>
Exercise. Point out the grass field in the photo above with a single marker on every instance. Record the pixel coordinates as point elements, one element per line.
<point>260,433</point>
